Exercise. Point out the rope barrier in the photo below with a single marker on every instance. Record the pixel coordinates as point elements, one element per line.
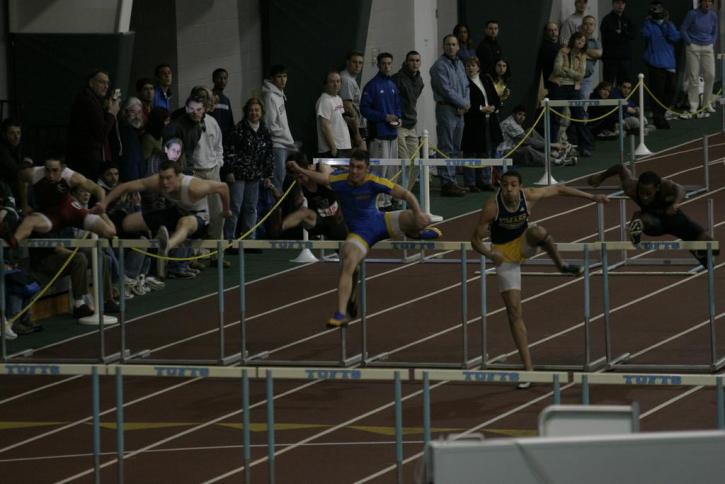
<point>42,292</point>
<point>667,108</point>
<point>598,118</point>
<point>507,155</point>
<point>214,252</point>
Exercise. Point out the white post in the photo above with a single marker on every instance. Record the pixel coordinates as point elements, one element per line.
<point>425,178</point>
<point>305,256</point>
<point>547,178</point>
<point>93,319</point>
<point>642,149</point>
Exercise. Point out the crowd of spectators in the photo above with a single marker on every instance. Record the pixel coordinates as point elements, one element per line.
<point>138,168</point>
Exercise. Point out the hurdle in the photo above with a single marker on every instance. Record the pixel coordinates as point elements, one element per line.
<point>625,260</point>
<point>547,178</point>
<point>102,322</point>
<point>143,356</point>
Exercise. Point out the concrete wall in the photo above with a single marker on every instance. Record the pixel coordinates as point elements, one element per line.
<point>219,33</point>
<point>69,16</point>
<point>426,22</point>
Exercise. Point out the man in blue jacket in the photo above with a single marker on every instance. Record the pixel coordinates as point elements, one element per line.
<point>660,36</point>
<point>380,105</point>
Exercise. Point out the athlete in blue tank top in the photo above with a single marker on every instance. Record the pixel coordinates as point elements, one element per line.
<point>506,218</point>
<point>356,191</point>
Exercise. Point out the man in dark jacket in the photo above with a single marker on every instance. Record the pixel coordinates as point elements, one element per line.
<point>92,120</point>
<point>489,50</point>
<point>617,34</point>
<point>410,85</point>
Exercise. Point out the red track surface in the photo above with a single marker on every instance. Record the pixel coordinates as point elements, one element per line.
<point>191,428</point>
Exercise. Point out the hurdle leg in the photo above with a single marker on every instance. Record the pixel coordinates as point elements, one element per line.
<point>464,305</point>
<point>95,404</point>
<point>270,426</point>
<point>119,423</point>
<point>426,409</point>
<point>245,430</point>
<point>398,428</point>
<point>484,309</point>
<point>2,304</point>
<point>585,389</point>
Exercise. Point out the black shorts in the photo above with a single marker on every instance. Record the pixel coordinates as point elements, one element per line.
<point>679,225</point>
<point>169,218</point>
<point>332,228</point>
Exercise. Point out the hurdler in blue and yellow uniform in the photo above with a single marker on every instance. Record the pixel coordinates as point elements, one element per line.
<point>365,223</point>
<point>508,230</point>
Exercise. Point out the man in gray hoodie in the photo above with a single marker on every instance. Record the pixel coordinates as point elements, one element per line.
<point>275,117</point>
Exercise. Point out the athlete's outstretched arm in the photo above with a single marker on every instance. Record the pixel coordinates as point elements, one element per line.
<point>535,194</point>
<point>625,176</point>
<point>321,178</point>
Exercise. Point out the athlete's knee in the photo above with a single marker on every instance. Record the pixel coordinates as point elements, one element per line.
<point>538,235</point>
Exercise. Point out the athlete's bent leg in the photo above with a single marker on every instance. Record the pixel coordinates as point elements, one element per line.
<point>35,222</point>
<point>184,227</point>
<point>304,216</point>
<point>351,256</point>
<point>134,223</point>
<point>99,225</point>
<point>512,300</point>
<point>538,236</point>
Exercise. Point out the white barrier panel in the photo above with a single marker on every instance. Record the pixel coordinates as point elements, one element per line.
<point>469,162</point>
<point>39,369</point>
<point>651,379</point>
<point>382,374</point>
<point>585,102</point>
<point>183,371</point>
<point>446,245</point>
<point>492,376</point>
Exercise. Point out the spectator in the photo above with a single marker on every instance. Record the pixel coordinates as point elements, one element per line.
<point>593,52</point>
<point>350,92</point>
<point>248,161</point>
<point>547,55</point>
<point>699,33</point>
<point>500,76</point>
<point>572,23</point>
<point>380,104</point>
<point>631,108</point>
<point>145,92</point>
<point>569,69</point>
<point>222,111</point>
<point>481,132</point>
<point>489,50</point>
<point>463,34</point>
<point>11,155</point>
<point>162,93</point>
<point>451,93</point>
<point>92,119</point>
<point>532,151</point>
<point>275,120</point>
<point>410,85</point>
<point>333,135</point>
<point>131,160</point>
<point>660,36</point>
<point>152,139</point>
<point>605,127</point>
<point>617,35</point>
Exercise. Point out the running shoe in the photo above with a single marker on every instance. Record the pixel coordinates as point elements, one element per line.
<point>635,231</point>
<point>155,284</point>
<point>572,269</point>
<point>430,233</point>
<point>523,385</point>
<point>338,320</point>
<point>9,333</point>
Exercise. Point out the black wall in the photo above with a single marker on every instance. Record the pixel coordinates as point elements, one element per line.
<point>309,37</point>
<point>49,70</point>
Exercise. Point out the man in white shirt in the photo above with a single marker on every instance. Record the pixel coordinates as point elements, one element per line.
<point>333,136</point>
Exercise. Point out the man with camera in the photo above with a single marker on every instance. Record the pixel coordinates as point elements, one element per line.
<point>92,120</point>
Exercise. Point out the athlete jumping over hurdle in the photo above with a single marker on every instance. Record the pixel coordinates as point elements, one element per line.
<point>659,207</point>
<point>356,191</point>
<point>52,184</point>
<point>513,240</point>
